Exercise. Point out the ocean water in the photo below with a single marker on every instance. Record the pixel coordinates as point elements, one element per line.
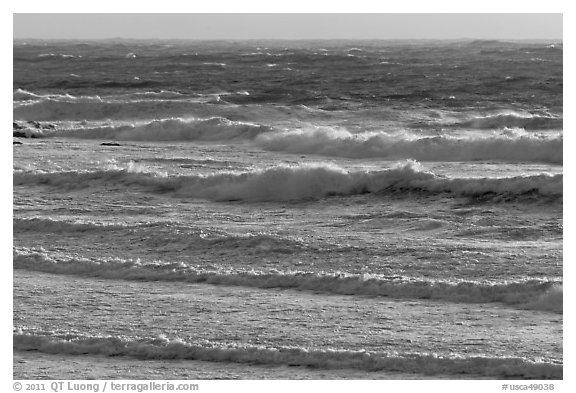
<point>300,209</point>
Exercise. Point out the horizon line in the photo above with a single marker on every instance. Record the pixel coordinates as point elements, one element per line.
<point>287,39</point>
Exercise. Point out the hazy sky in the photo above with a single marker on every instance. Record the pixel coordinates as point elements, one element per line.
<point>289,26</point>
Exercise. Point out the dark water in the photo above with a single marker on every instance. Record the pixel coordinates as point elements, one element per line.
<point>327,75</point>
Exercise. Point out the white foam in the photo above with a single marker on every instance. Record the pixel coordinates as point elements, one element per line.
<point>58,107</point>
<point>165,348</point>
<point>38,224</point>
<point>528,294</point>
<point>301,182</point>
<point>173,129</point>
<point>511,119</point>
<point>167,234</point>
<point>342,143</point>
<point>24,95</point>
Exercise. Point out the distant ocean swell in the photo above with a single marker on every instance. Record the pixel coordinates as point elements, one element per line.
<point>150,105</point>
<point>302,182</point>
<point>95,108</point>
<point>163,104</point>
<point>531,294</point>
<point>514,120</point>
<point>166,349</point>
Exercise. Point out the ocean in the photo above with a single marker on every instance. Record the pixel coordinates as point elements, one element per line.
<point>287,209</point>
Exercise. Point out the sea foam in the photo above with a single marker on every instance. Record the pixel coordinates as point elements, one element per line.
<point>341,143</point>
<point>303,182</point>
<point>66,107</point>
<point>174,129</point>
<point>528,294</point>
<point>512,119</point>
<point>164,348</point>
<point>511,145</point>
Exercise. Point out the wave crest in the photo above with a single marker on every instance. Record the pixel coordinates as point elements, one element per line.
<point>341,143</point>
<point>515,120</point>
<point>306,181</point>
<point>67,107</point>
<point>164,348</point>
<point>529,294</point>
<point>174,129</point>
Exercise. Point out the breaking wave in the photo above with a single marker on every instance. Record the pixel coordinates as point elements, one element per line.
<point>213,129</point>
<point>35,107</point>
<point>51,225</point>
<point>303,182</point>
<point>341,143</point>
<point>508,145</point>
<point>529,294</point>
<point>160,348</point>
<point>23,95</point>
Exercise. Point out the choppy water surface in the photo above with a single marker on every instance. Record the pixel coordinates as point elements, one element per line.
<point>365,209</point>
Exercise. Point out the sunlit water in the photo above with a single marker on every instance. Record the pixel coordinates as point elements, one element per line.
<point>299,211</point>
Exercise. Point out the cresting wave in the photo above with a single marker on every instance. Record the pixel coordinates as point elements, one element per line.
<point>507,146</point>
<point>515,120</point>
<point>162,348</point>
<point>531,294</point>
<point>341,143</point>
<point>50,225</point>
<point>166,234</point>
<point>303,182</point>
<point>65,107</point>
<point>24,95</point>
<point>175,129</point>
